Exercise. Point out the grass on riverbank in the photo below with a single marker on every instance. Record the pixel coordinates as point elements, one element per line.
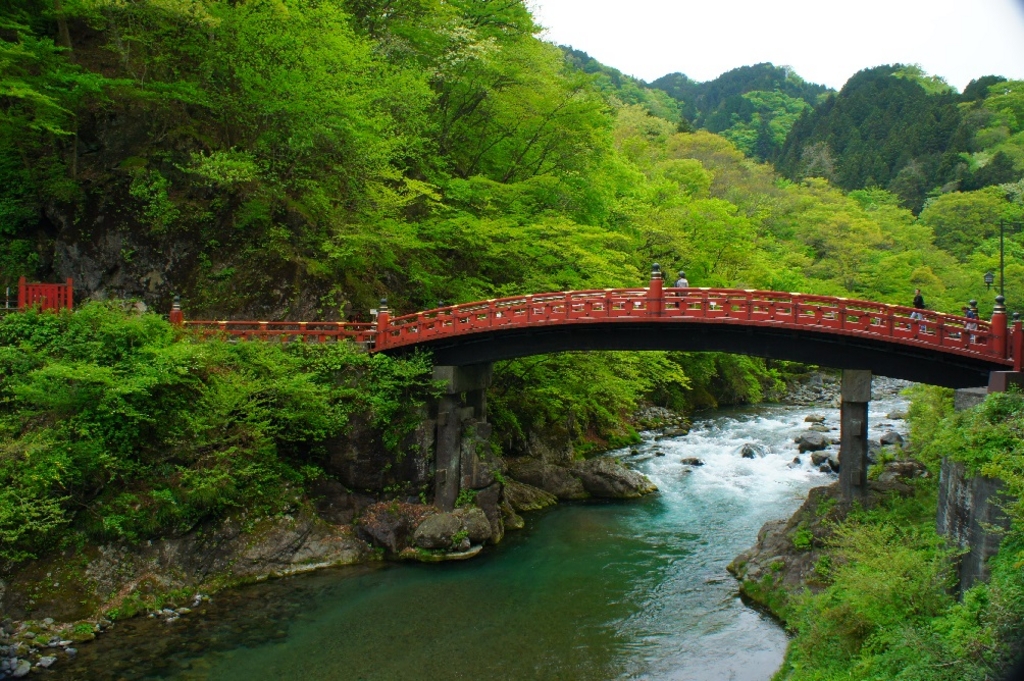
<point>887,611</point>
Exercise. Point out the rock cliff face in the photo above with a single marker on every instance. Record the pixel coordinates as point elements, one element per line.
<point>970,510</point>
<point>970,514</point>
<point>118,239</point>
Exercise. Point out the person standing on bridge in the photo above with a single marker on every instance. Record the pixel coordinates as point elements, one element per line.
<point>918,305</point>
<point>682,282</point>
<point>972,314</point>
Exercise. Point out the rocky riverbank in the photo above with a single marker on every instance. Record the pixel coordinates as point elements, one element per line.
<point>784,560</point>
<point>821,389</point>
<point>53,605</point>
<point>71,596</point>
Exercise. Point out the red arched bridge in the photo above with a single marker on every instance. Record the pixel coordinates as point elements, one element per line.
<point>861,337</point>
<point>889,340</point>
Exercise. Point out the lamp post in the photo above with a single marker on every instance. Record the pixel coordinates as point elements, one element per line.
<point>1002,226</point>
<point>989,278</point>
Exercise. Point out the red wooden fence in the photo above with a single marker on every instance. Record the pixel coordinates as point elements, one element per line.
<point>45,296</point>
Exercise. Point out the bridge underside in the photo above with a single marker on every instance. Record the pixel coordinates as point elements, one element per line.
<point>882,357</point>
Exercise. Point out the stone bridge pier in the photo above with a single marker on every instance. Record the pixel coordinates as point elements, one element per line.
<point>462,432</point>
<point>855,394</point>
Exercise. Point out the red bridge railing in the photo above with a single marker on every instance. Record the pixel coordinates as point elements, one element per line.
<point>317,332</point>
<point>991,340</point>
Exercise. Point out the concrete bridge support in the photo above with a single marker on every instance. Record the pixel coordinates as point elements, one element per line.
<point>853,438</point>
<point>461,419</point>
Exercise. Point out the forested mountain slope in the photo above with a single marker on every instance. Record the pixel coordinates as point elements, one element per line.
<point>893,127</point>
<point>753,106</point>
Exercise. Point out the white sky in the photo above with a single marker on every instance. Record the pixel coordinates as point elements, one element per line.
<point>823,40</point>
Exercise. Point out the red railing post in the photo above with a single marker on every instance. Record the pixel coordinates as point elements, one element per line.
<point>1017,343</point>
<point>383,326</point>
<point>22,294</point>
<point>656,293</point>
<point>69,295</point>
<point>176,316</point>
<point>998,328</point>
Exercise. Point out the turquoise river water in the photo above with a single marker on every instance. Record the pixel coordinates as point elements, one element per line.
<point>590,591</point>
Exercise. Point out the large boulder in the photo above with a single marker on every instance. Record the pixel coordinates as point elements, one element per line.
<point>814,418</point>
<point>523,497</point>
<point>812,442</point>
<point>438,531</point>
<point>390,524</point>
<point>360,460</point>
<point>606,478</point>
<point>555,448</point>
<point>818,458</point>
<point>553,479</point>
<point>833,461</point>
<point>675,431</point>
<point>476,523</point>
<point>897,471</point>
<point>891,439</point>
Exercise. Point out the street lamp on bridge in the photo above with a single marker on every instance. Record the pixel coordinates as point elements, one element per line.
<point>989,276</point>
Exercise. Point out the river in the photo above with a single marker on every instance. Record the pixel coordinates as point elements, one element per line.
<point>589,591</point>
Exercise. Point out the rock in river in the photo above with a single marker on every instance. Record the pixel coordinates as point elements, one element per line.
<point>549,477</point>
<point>476,523</point>
<point>752,450</point>
<point>604,477</point>
<point>891,438</point>
<point>812,442</point>
<point>436,532</point>
<point>523,497</point>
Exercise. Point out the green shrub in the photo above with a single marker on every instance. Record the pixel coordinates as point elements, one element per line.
<point>803,538</point>
<point>114,424</point>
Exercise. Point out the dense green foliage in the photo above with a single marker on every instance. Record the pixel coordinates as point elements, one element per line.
<point>753,106</point>
<point>112,427</point>
<point>587,398</point>
<point>887,611</point>
<point>895,127</point>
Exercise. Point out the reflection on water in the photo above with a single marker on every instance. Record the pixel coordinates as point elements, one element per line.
<point>623,590</point>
